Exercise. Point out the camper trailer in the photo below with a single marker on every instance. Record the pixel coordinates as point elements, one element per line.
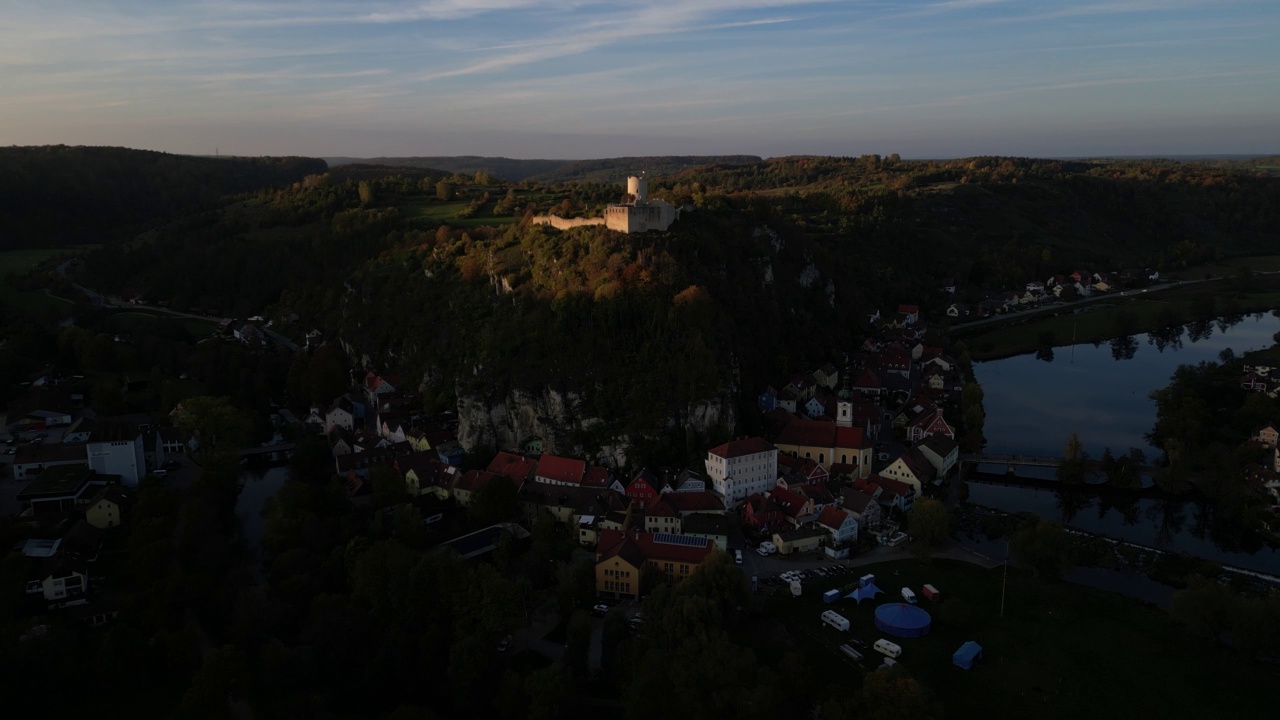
<point>886,648</point>
<point>866,580</point>
<point>932,593</point>
<point>908,596</point>
<point>796,588</point>
<point>830,596</point>
<point>835,620</point>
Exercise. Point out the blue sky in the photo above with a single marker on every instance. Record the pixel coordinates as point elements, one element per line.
<point>579,78</point>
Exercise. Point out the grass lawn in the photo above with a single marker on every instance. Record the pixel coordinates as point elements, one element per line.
<point>1061,651</point>
<point>1097,321</point>
<point>442,212</point>
<point>20,262</point>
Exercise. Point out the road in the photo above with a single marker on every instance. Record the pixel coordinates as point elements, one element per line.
<point>102,301</point>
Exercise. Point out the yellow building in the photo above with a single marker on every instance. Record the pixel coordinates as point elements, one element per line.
<point>826,443</point>
<point>621,555</point>
<point>105,509</point>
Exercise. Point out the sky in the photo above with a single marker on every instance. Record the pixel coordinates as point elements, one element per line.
<point>583,79</point>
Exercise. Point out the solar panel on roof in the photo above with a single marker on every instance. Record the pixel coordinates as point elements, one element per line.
<point>686,540</point>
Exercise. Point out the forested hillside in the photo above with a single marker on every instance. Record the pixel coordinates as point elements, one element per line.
<point>773,270</point>
<point>57,195</point>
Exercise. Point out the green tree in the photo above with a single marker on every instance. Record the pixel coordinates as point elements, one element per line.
<point>1071,471</point>
<point>1046,547</point>
<point>577,643</point>
<point>892,694</point>
<point>220,429</point>
<point>929,524</point>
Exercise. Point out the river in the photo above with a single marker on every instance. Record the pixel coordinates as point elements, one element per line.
<point>1103,392</point>
<point>258,485</point>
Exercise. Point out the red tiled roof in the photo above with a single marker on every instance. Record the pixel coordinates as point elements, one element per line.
<point>895,487</point>
<point>615,543</point>
<point>744,446</point>
<point>790,502</point>
<point>567,470</point>
<point>867,380</point>
<point>473,480</point>
<point>844,469</point>
<point>694,502</point>
<point>832,517</point>
<point>661,508</point>
<point>909,309</point>
<point>851,437</point>
<point>595,476</point>
<point>856,500</point>
<point>811,433</point>
<point>516,467</point>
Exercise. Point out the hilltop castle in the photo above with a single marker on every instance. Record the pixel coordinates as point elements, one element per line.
<point>636,213</point>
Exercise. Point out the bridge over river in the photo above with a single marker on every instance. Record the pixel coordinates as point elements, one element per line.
<point>1014,461</point>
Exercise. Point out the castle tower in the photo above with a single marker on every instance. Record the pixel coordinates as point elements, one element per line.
<point>638,189</point>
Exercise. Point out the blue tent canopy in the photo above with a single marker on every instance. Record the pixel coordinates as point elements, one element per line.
<point>865,592</point>
<point>903,620</point>
<point>967,653</point>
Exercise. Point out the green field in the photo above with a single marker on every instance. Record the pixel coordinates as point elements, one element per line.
<point>1060,651</point>
<point>21,262</point>
<point>1097,321</point>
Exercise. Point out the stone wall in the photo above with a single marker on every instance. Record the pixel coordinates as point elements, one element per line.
<point>560,223</point>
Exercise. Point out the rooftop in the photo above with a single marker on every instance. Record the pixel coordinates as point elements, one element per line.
<point>60,481</point>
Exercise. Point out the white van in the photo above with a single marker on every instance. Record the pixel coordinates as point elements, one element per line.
<point>767,548</point>
<point>887,648</point>
<point>835,620</point>
<point>908,596</point>
<point>737,556</point>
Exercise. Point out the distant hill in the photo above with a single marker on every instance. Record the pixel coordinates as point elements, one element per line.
<point>555,171</point>
<point>56,195</point>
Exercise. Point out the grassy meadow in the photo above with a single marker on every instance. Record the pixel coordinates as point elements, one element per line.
<point>1060,650</point>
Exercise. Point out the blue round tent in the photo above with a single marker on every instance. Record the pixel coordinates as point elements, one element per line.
<point>903,620</point>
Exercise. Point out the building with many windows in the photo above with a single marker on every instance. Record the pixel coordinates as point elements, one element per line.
<point>622,554</point>
<point>740,468</point>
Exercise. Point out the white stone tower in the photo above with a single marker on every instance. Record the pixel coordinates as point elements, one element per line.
<point>638,189</point>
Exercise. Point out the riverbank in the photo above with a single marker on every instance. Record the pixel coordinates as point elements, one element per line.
<point>1118,316</point>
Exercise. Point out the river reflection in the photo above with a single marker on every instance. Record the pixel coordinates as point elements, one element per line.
<point>1165,524</point>
<point>1102,390</point>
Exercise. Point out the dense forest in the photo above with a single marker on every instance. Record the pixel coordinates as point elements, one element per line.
<point>58,195</point>
<point>772,269</point>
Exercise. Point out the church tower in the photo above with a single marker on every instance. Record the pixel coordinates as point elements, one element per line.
<point>844,404</point>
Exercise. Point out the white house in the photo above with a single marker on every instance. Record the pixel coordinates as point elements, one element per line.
<point>743,467</point>
<point>941,451</point>
<point>341,414</point>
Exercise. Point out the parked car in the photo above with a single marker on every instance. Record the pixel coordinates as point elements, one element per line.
<point>600,610</point>
<point>504,644</point>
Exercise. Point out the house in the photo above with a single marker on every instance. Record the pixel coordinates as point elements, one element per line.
<point>659,516</point>
<point>896,493</point>
<point>949,286</point>
<point>471,482</point>
<point>1036,288</point>
<point>826,443</point>
<point>1029,298</point>
<point>715,528</point>
<point>842,526</point>
<point>911,313</point>
<point>690,503</point>
<point>767,400</point>
<point>341,414</point>
<point>621,555</point>
<point>762,513</point>
<point>340,442</point>
<point>62,579</point>
<point>934,379</point>
<point>424,474</point>
<point>941,451</point>
<point>863,506</point>
<point>61,488</point>
<point>595,476</point>
<point>958,309</point>
<point>929,422</point>
<point>687,481</point>
<point>375,386</point>
<point>816,493</point>
<point>815,408</point>
<point>1267,435</point>
<point>796,509</point>
<point>827,376</point>
<point>556,470</point>
<point>787,398</point>
<point>799,541</point>
<point>106,508</point>
<point>82,542</point>
<point>912,468</point>
<point>1254,382</point>
<point>742,467</point>
<point>800,470</point>
<point>867,384</point>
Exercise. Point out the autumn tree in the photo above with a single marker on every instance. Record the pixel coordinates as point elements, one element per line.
<point>930,525</point>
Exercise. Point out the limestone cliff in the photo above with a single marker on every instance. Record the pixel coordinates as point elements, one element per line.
<point>555,416</point>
